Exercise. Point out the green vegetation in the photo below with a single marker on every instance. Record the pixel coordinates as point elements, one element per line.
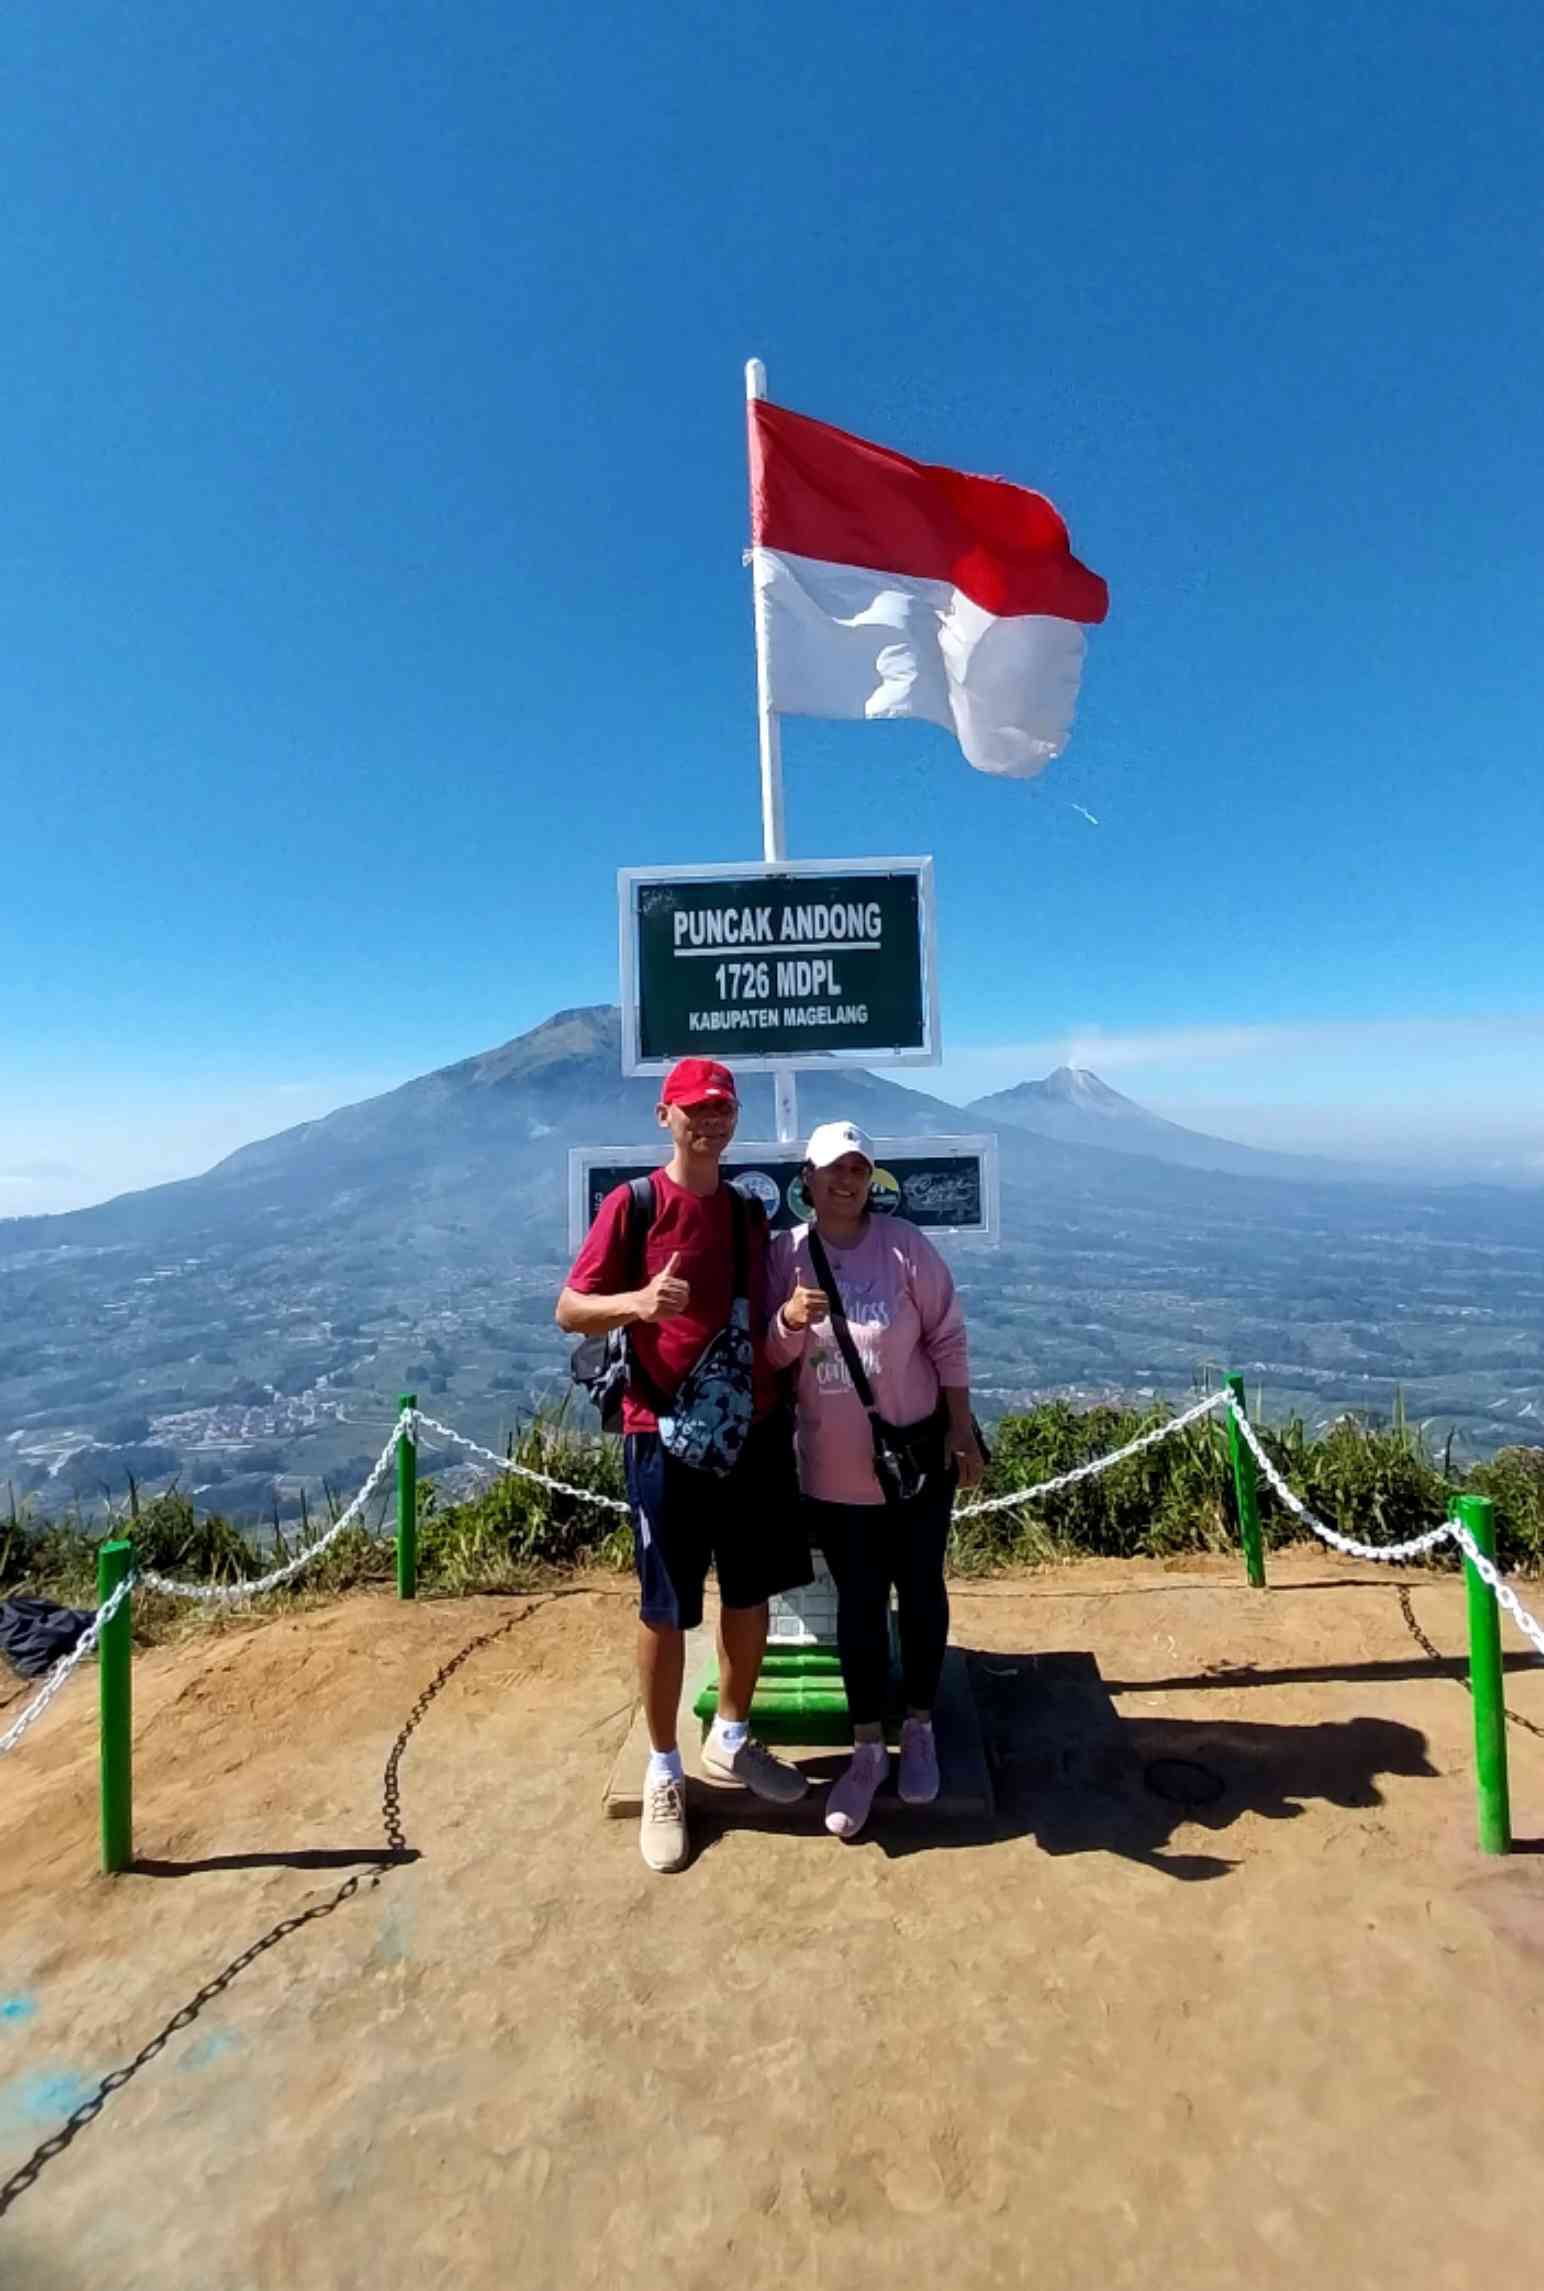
<point>1379,1482</point>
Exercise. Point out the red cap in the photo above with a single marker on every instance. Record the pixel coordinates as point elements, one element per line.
<point>695,1081</point>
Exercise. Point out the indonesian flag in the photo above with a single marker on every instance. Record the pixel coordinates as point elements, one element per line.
<point>890,587</point>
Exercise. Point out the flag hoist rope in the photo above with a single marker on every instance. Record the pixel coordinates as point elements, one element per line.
<point>774,833</point>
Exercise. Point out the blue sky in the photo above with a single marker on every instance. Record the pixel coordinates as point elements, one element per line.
<point>371,575</point>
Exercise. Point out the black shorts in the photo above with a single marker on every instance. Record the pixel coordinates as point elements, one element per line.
<point>749,1525</point>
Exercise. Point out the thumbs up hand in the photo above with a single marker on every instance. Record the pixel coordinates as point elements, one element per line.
<point>806,1308</point>
<point>663,1297</point>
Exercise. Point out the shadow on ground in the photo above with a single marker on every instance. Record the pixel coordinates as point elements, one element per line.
<point>1071,1773</point>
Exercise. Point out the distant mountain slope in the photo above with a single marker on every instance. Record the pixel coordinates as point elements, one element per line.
<point>1075,1107</point>
<point>262,1317</point>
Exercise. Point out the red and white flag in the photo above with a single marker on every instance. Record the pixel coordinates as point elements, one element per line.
<point>891,587</point>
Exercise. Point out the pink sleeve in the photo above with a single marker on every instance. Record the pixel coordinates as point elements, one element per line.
<point>943,1323</point>
<point>784,1345</point>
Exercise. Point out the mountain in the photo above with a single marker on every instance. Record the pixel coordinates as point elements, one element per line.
<point>1073,1105</point>
<point>249,1329</point>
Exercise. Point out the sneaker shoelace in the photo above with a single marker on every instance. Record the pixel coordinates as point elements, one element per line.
<point>665,1798</point>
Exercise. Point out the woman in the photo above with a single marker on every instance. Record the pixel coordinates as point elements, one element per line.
<point>903,1324</point>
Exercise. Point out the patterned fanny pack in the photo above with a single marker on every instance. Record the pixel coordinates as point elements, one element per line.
<point>707,1423</point>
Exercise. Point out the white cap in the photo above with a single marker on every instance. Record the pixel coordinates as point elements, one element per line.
<point>833,1139</point>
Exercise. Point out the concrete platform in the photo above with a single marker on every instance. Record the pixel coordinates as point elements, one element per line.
<point>965,1792</point>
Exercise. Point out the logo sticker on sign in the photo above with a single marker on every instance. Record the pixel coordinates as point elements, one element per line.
<point>945,1185</point>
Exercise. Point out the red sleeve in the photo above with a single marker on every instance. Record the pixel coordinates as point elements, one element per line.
<point>601,1268</point>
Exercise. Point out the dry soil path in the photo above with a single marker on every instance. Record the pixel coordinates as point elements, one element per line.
<point>1283,2034</point>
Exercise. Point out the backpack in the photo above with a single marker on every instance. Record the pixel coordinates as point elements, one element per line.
<point>601,1365</point>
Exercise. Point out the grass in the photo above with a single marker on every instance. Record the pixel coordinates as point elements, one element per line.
<point>1377,1481</point>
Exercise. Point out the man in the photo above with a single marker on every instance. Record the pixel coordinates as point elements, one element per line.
<point>674,1293</point>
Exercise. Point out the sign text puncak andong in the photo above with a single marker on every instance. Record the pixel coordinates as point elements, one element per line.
<point>798,963</point>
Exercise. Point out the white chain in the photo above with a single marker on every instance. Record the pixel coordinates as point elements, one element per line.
<point>411,1420</point>
<point>67,1665</point>
<point>1451,1531</point>
<point>525,1471</point>
<point>227,1594</point>
<point>1332,1535</point>
<point>1488,1572</point>
<point>1100,1463</point>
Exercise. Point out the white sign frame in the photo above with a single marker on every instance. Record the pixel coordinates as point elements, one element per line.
<point>746,1153</point>
<point>816,870</point>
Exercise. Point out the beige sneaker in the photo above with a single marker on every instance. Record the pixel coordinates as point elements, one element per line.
<point>754,1765</point>
<point>662,1832</point>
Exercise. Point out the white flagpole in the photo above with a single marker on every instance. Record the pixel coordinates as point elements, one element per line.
<point>774,836</point>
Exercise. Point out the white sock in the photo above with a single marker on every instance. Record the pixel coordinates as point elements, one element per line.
<point>664,1766</point>
<point>731,1734</point>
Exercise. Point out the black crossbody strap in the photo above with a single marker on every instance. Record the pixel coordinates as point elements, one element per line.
<point>849,1350</point>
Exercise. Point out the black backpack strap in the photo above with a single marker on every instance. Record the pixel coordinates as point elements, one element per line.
<point>840,1329</point>
<point>641,1204</point>
<point>640,1217</point>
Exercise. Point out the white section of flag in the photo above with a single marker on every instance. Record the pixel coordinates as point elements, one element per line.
<point>843,640</point>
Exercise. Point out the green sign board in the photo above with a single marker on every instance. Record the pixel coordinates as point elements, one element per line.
<point>945,1185</point>
<point>798,963</point>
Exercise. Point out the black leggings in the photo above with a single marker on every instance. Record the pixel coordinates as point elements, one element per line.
<point>868,1547</point>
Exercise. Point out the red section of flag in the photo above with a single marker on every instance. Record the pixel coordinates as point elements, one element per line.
<point>820,492</point>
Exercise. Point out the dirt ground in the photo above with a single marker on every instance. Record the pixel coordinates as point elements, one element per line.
<point>1278,2026</point>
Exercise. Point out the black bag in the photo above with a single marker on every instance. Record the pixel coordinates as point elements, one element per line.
<point>602,1365</point>
<point>908,1458</point>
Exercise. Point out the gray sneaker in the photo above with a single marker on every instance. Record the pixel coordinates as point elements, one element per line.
<point>754,1765</point>
<point>662,1832</point>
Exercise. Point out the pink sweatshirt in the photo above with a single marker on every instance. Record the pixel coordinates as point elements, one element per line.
<point>898,1295</point>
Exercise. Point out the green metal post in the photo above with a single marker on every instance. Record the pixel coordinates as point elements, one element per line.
<point>116,1670</point>
<point>1479,1517</point>
<point>407,1507</point>
<point>1245,1488</point>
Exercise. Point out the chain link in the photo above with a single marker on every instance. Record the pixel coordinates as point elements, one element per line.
<point>524,1471</point>
<point>1488,1572</point>
<point>412,1420</point>
<point>1451,1531</point>
<point>67,1665</point>
<point>1332,1535</point>
<point>228,1594</point>
<point>1135,1447</point>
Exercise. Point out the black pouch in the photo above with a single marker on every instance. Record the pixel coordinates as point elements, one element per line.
<point>909,1457</point>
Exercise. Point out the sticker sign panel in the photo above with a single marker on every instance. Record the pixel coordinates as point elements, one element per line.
<point>801,963</point>
<point>943,1185</point>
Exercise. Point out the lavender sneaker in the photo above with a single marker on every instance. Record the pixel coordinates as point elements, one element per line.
<point>918,1783</point>
<point>852,1793</point>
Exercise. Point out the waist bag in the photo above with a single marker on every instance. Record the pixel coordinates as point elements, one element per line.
<point>706,1424</point>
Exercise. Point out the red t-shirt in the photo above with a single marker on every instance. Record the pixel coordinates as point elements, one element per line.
<point>698,1227</point>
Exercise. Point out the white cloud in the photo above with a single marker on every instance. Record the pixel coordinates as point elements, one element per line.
<point>1113,1050</point>
<point>1413,1081</point>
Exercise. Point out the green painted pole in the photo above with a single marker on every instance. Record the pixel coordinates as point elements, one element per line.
<point>1246,1489</point>
<point>1495,1810</point>
<point>407,1507</point>
<point>115,1665</point>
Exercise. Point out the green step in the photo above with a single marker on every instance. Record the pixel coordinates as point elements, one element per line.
<point>799,1698</point>
<point>801,1662</point>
